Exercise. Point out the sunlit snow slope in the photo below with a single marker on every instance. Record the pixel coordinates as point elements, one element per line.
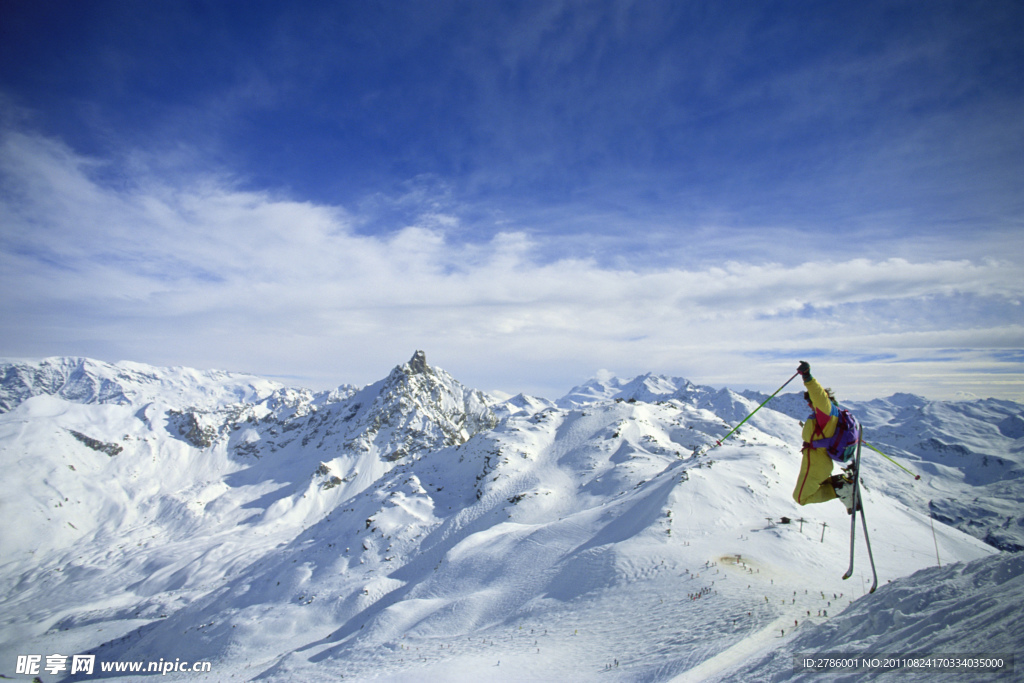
<point>415,529</point>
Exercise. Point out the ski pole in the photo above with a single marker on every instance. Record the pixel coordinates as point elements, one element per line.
<point>916,476</point>
<point>719,442</point>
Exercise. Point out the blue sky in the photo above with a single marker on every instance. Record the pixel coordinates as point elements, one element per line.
<point>528,191</point>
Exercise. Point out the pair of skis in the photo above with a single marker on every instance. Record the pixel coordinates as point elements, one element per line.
<point>859,506</point>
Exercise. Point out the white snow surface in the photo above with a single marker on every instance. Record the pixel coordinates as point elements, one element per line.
<point>415,529</point>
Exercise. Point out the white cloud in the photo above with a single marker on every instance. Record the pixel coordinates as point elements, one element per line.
<point>204,274</point>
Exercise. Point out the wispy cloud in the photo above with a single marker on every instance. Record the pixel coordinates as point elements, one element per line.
<point>528,190</point>
<point>206,274</point>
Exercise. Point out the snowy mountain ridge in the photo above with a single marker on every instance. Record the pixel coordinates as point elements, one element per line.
<point>971,450</point>
<point>83,380</point>
<point>415,528</point>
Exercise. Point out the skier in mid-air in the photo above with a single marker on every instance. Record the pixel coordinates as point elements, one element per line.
<point>816,484</point>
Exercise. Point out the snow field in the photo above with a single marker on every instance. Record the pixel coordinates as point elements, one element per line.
<point>603,540</point>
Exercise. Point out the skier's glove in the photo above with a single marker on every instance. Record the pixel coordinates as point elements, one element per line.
<point>805,370</point>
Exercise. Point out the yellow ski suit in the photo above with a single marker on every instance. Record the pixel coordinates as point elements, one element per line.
<point>814,484</point>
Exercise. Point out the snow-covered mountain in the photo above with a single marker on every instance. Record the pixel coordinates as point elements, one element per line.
<point>415,529</point>
<point>970,453</point>
<point>83,380</point>
<point>968,612</point>
<point>648,388</point>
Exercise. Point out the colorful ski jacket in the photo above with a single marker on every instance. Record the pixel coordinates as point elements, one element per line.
<point>823,424</point>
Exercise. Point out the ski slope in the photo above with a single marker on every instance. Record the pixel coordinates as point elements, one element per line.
<point>416,529</point>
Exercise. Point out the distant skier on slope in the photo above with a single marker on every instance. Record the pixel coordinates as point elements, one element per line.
<point>815,484</point>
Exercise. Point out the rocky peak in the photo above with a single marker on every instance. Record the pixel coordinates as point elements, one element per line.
<point>418,364</point>
<point>419,407</point>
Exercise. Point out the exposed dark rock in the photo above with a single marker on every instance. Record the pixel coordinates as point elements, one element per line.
<point>110,449</point>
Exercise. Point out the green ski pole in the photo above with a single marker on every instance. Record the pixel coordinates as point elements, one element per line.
<point>916,476</point>
<point>719,442</point>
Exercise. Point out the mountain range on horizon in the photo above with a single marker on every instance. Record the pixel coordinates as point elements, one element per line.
<point>417,525</point>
